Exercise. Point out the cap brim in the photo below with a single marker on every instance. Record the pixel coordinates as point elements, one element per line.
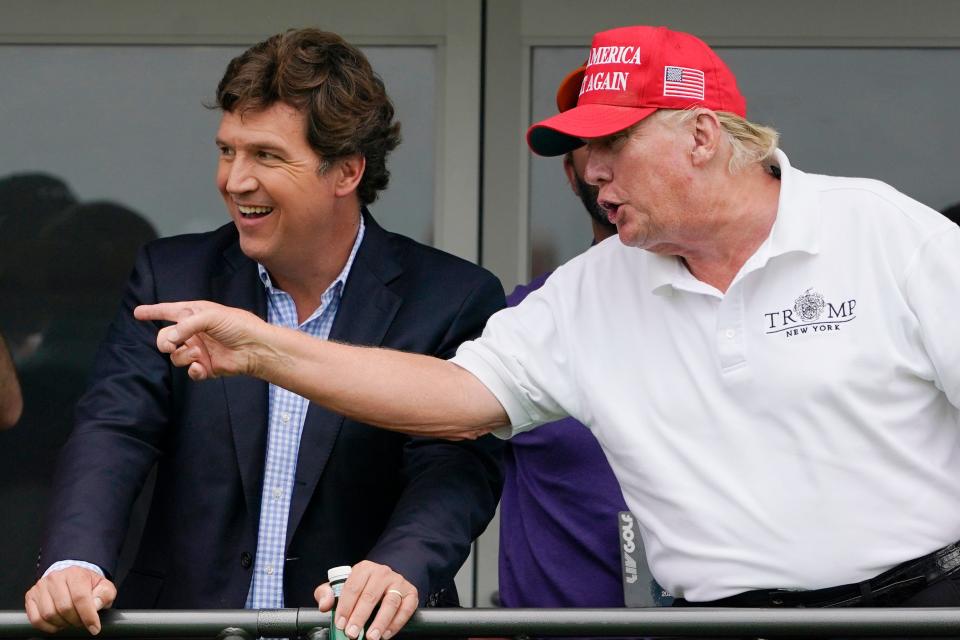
<point>565,131</point>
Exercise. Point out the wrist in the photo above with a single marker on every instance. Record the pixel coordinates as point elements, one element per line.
<point>266,357</point>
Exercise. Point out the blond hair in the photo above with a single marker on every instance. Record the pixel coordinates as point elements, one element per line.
<point>751,143</point>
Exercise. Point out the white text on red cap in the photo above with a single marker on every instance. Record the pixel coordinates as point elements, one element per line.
<point>609,80</point>
<point>614,55</point>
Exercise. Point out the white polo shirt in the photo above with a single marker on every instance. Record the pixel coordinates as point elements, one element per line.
<point>799,431</point>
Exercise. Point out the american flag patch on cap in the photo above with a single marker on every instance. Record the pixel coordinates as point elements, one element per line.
<point>682,82</point>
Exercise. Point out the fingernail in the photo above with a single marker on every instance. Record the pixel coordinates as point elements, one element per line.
<point>341,622</point>
<point>93,629</point>
<point>98,603</point>
<point>353,631</point>
<point>373,634</point>
<point>387,634</point>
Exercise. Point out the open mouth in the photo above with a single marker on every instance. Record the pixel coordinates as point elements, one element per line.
<point>254,212</point>
<point>610,209</point>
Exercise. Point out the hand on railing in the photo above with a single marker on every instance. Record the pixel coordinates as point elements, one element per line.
<point>69,598</point>
<point>371,584</point>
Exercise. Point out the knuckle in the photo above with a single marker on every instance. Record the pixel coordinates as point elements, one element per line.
<point>368,597</point>
<point>63,603</point>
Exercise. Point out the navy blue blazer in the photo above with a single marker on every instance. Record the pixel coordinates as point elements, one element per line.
<point>359,493</point>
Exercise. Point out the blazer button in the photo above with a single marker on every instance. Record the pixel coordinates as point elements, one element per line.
<point>246,560</point>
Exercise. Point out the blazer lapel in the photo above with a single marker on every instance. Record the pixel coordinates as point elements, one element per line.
<point>367,308</point>
<point>238,285</point>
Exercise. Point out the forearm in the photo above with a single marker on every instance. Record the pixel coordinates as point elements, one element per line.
<point>410,393</point>
<point>11,399</point>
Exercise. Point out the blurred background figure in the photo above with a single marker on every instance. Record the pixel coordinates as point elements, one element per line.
<point>11,400</point>
<point>82,257</point>
<point>63,269</point>
<point>27,202</point>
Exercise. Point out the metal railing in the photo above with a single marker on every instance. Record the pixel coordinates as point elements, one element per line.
<point>310,623</point>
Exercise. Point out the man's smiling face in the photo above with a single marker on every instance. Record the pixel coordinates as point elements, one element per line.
<point>278,192</point>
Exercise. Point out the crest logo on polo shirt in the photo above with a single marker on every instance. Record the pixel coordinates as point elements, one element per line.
<point>810,305</point>
<point>811,313</point>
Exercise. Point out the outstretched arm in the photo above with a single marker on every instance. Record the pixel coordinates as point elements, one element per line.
<point>11,401</point>
<point>410,393</point>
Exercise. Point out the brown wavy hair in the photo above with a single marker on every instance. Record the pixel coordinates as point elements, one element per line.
<point>320,74</point>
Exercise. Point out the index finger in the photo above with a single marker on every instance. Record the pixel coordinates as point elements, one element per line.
<point>171,311</point>
<point>82,594</point>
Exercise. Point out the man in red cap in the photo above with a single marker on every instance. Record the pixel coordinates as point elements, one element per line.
<point>774,378</point>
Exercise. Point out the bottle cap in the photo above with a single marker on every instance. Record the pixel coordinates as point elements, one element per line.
<point>338,573</point>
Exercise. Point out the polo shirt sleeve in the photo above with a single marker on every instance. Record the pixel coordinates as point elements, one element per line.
<point>522,359</point>
<point>932,289</point>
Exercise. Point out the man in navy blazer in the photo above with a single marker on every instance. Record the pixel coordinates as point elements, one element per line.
<point>258,492</point>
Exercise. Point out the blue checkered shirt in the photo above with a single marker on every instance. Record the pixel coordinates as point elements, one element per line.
<point>286,412</point>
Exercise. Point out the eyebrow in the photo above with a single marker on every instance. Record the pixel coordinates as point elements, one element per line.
<point>259,146</point>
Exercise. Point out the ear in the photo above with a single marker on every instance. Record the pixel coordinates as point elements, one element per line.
<point>707,134</point>
<point>349,171</point>
<point>571,172</point>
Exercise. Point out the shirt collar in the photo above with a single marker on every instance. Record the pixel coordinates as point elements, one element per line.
<point>796,228</point>
<point>338,282</point>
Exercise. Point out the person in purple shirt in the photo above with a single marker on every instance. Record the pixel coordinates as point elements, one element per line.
<point>559,545</point>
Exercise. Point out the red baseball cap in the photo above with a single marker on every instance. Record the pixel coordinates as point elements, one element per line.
<point>632,72</point>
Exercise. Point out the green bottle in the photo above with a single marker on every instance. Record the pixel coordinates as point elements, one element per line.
<point>336,577</point>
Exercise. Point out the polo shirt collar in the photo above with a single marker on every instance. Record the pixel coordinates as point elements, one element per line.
<point>796,228</point>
